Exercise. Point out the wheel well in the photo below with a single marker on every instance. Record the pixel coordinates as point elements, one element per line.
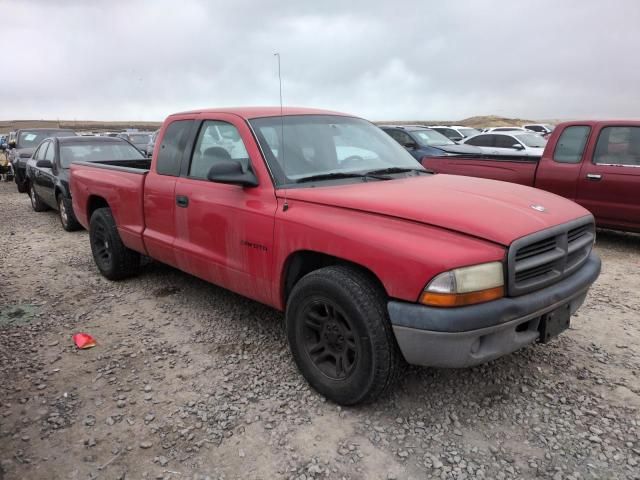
<point>94,203</point>
<point>301,263</point>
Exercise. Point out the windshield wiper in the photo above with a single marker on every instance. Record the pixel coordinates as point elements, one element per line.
<point>331,176</point>
<point>383,171</point>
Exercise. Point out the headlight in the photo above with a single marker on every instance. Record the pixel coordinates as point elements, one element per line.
<point>465,286</point>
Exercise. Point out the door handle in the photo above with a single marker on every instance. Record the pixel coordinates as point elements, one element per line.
<point>182,201</point>
<point>595,177</point>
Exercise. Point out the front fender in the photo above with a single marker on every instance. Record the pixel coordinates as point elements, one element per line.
<point>404,255</point>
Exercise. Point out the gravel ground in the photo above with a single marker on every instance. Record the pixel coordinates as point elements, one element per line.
<point>189,381</point>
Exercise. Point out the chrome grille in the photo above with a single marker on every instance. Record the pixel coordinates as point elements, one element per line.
<point>545,257</point>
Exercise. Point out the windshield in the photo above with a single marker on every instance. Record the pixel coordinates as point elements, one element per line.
<point>32,139</point>
<point>139,138</point>
<point>469,132</point>
<point>532,140</point>
<point>431,138</point>
<point>96,152</point>
<point>326,144</point>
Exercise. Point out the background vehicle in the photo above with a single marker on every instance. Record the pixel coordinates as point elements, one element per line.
<point>594,163</point>
<point>24,144</point>
<point>140,140</point>
<point>510,143</point>
<point>47,171</point>
<point>541,128</point>
<point>420,141</point>
<point>455,132</point>
<point>6,169</point>
<point>152,143</point>
<point>372,258</point>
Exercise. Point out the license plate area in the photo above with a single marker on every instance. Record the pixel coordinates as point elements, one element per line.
<point>554,323</point>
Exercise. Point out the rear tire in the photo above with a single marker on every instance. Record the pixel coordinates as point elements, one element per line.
<point>36,202</point>
<point>340,335</point>
<point>23,187</point>
<point>113,259</point>
<point>67,217</point>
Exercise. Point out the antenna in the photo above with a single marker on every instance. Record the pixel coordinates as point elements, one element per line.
<point>285,206</point>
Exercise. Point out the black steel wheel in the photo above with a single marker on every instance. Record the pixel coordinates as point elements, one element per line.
<point>330,339</point>
<point>340,335</point>
<point>114,260</point>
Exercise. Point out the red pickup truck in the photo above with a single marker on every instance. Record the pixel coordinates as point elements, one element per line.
<point>594,163</point>
<point>324,216</point>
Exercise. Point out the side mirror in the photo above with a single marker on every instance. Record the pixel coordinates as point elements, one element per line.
<point>12,144</point>
<point>411,145</point>
<point>231,172</point>
<point>517,146</point>
<point>44,164</point>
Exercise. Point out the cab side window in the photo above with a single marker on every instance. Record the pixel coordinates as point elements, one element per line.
<point>618,146</point>
<point>505,141</point>
<point>449,133</point>
<point>42,150</point>
<point>401,137</point>
<point>174,142</point>
<point>481,141</point>
<point>217,141</point>
<point>571,144</point>
<point>50,153</point>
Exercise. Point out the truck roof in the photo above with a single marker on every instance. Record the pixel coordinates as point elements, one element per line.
<point>600,123</point>
<point>259,112</point>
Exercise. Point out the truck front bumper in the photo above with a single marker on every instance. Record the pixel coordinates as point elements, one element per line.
<point>466,336</point>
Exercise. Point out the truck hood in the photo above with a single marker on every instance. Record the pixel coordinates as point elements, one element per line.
<point>496,211</point>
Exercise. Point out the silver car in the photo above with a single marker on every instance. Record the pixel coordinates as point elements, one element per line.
<point>512,143</point>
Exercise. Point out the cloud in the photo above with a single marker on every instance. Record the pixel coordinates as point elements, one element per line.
<point>382,60</point>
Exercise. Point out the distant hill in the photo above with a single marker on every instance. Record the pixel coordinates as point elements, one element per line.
<point>78,125</point>
<point>484,121</point>
<point>96,126</point>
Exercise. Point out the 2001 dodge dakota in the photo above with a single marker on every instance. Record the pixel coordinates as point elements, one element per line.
<point>323,215</point>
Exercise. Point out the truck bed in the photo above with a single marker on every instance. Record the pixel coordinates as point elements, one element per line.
<point>135,164</point>
<point>120,184</point>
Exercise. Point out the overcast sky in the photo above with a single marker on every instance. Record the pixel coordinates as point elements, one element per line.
<point>422,59</point>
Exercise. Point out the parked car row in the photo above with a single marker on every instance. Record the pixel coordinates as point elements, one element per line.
<point>47,171</point>
<point>374,259</point>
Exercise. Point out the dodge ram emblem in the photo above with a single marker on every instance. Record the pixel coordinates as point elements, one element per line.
<point>539,208</point>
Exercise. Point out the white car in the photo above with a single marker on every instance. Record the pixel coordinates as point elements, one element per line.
<point>541,128</point>
<point>455,132</point>
<point>509,143</point>
<point>505,129</point>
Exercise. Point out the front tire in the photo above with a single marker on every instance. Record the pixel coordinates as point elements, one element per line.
<point>113,259</point>
<point>67,216</point>
<point>36,202</point>
<point>340,335</point>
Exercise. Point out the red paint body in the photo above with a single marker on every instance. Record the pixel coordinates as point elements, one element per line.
<point>405,231</point>
<point>613,199</point>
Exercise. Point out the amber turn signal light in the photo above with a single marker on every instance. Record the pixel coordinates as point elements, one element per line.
<point>461,299</point>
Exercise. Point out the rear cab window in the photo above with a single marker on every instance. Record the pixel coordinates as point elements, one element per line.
<point>174,142</point>
<point>571,143</point>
